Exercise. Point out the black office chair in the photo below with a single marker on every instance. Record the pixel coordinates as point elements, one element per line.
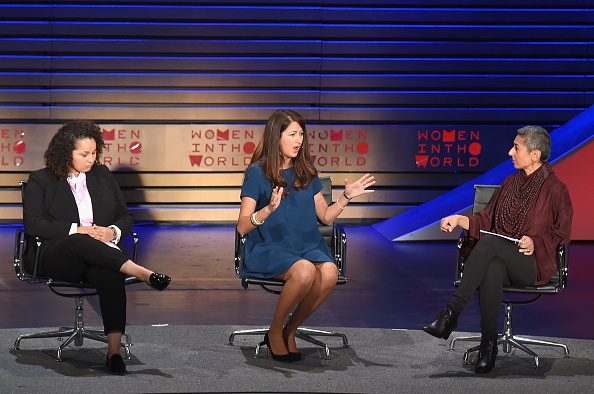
<point>482,196</point>
<point>27,246</point>
<point>336,239</point>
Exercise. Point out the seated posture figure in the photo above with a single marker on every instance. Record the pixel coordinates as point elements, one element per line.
<point>281,198</point>
<point>532,205</point>
<point>75,205</point>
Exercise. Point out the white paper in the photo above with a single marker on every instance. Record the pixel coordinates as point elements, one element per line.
<point>514,240</point>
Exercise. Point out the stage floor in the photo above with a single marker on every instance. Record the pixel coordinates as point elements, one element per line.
<point>390,285</point>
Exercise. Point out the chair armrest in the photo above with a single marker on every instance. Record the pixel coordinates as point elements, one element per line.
<point>340,245</point>
<point>22,249</point>
<point>239,251</point>
<point>135,251</point>
<point>462,241</point>
<point>562,263</point>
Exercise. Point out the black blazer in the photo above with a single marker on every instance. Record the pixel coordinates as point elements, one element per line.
<point>49,207</point>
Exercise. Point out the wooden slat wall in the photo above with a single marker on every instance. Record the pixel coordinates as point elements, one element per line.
<point>374,62</point>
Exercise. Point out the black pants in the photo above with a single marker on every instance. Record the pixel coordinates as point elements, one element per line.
<point>493,263</point>
<point>80,258</point>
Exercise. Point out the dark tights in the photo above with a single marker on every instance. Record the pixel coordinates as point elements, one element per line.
<point>493,263</point>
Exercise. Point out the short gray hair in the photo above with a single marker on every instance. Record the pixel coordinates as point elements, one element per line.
<point>537,138</point>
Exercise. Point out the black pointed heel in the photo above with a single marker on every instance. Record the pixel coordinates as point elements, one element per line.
<point>285,358</point>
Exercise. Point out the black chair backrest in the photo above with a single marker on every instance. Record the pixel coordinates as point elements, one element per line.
<point>483,194</point>
<point>23,185</point>
<point>327,231</point>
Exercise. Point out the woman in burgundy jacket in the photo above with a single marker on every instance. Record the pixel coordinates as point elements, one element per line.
<point>532,205</point>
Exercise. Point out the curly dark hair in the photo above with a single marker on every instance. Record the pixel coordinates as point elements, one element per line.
<point>58,156</point>
<point>268,151</point>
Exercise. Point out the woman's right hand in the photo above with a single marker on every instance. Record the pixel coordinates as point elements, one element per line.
<point>449,223</point>
<point>275,199</point>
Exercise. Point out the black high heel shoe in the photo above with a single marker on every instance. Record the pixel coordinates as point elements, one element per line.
<point>295,356</point>
<point>159,281</point>
<point>445,322</point>
<point>285,358</point>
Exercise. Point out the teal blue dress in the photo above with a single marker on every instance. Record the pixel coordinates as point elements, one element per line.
<point>289,234</point>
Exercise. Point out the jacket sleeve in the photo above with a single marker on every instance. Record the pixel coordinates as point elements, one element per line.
<point>36,220</point>
<point>551,229</point>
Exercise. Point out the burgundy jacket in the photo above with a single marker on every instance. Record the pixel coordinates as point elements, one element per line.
<point>548,223</point>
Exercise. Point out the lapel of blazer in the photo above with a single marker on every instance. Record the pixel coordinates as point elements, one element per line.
<point>63,205</point>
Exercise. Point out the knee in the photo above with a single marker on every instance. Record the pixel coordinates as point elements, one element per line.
<point>329,272</point>
<point>303,272</point>
<point>328,275</point>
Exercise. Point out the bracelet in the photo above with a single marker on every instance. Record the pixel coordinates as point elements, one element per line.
<point>115,233</point>
<point>254,220</point>
<point>347,197</point>
<point>338,205</point>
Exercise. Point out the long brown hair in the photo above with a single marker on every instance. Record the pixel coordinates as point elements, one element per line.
<point>269,154</point>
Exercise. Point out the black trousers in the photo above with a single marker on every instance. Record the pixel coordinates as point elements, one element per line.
<point>493,263</point>
<point>80,258</point>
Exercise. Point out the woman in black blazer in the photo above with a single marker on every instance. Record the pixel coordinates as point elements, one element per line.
<point>75,205</point>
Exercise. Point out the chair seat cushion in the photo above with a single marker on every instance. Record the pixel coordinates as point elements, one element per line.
<point>250,280</point>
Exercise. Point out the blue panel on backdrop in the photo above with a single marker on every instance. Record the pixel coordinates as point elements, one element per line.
<point>564,140</point>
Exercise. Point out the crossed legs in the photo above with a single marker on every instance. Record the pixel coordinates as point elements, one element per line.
<point>307,285</point>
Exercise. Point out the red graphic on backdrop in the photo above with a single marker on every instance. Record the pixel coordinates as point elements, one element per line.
<point>422,161</point>
<point>249,148</point>
<point>335,135</point>
<point>19,147</point>
<point>135,147</point>
<point>362,148</point>
<point>108,135</point>
<point>474,149</point>
<point>450,149</point>
<point>223,135</point>
<point>195,160</point>
<point>449,136</point>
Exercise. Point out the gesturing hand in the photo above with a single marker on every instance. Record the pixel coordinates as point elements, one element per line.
<point>449,223</point>
<point>359,187</point>
<point>275,198</point>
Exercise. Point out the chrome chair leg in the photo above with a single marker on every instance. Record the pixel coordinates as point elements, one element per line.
<point>463,339</point>
<point>510,341</point>
<point>305,334</point>
<point>532,341</point>
<point>255,331</point>
<point>61,333</point>
<point>76,334</point>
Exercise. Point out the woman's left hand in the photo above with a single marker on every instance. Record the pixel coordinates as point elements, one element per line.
<point>526,245</point>
<point>360,187</point>
<point>103,234</point>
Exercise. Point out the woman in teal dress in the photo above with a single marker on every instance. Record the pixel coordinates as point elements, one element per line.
<point>281,201</point>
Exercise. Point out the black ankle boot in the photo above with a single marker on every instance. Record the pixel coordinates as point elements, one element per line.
<point>486,357</point>
<point>445,322</point>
